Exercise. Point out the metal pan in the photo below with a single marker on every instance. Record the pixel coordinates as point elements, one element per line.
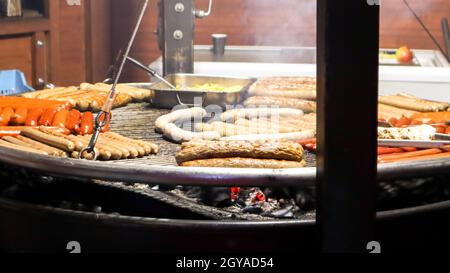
<point>165,97</point>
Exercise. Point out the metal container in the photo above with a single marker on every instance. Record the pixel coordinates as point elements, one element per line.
<point>164,97</point>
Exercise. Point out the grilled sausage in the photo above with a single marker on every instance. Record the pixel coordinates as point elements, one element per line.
<point>413,103</point>
<point>43,147</point>
<point>251,113</point>
<point>54,141</point>
<point>267,126</point>
<point>180,116</point>
<point>134,148</point>
<point>87,156</point>
<point>73,121</point>
<point>6,116</point>
<point>148,146</point>
<point>224,129</point>
<point>35,94</point>
<point>20,148</point>
<point>107,124</point>
<point>282,150</point>
<point>179,135</point>
<point>138,94</point>
<point>60,119</point>
<point>55,93</point>
<point>87,123</point>
<point>386,112</point>
<point>78,145</point>
<point>128,150</point>
<point>105,147</point>
<point>15,102</point>
<point>47,117</point>
<point>286,136</point>
<point>237,162</point>
<point>20,116</point>
<point>288,87</point>
<point>304,105</point>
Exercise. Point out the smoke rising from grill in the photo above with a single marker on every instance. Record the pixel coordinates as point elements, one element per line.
<point>295,22</point>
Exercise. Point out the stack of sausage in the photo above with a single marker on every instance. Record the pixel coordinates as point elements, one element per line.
<point>284,92</point>
<point>396,108</point>
<point>300,93</point>
<point>438,120</point>
<point>391,155</point>
<point>54,142</point>
<point>92,96</point>
<point>19,113</point>
<point>241,154</point>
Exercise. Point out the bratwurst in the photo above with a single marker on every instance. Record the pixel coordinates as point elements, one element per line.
<point>286,87</point>
<point>239,162</point>
<point>201,149</point>
<point>304,105</point>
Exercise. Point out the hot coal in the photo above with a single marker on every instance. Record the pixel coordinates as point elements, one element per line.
<point>255,209</point>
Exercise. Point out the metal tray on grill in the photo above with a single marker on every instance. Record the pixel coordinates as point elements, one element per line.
<point>137,121</point>
<point>164,97</point>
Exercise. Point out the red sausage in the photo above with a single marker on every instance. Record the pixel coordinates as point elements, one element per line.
<point>73,121</point>
<point>20,116</point>
<point>106,127</point>
<point>60,119</point>
<point>6,116</point>
<point>33,117</point>
<point>47,117</point>
<point>387,150</point>
<point>87,124</point>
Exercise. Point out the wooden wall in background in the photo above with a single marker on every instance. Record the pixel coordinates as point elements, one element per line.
<point>82,34</point>
<point>69,62</point>
<point>84,40</point>
<point>274,22</point>
<point>74,43</point>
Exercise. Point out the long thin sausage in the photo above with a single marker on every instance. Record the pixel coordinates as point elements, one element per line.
<point>60,119</point>
<point>6,116</point>
<point>51,140</point>
<point>47,117</point>
<point>87,124</point>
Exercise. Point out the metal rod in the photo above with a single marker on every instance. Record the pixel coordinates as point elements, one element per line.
<point>127,52</point>
<point>347,88</point>
<point>105,114</point>
<point>150,71</point>
<point>426,29</point>
<point>446,34</point>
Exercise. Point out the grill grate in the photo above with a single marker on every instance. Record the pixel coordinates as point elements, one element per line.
<point>137,121</point>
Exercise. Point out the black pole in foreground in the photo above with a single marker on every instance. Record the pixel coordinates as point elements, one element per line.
<point>347,54</point>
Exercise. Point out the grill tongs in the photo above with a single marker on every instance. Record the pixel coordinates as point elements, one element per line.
<point>105,114</point>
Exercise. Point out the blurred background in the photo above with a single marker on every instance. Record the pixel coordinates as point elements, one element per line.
<point>80,38</point>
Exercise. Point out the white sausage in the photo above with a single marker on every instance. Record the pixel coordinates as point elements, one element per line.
<point>286,136</point>
<point>180,116</point>
<point>179,135</point>
<point>250,113</point>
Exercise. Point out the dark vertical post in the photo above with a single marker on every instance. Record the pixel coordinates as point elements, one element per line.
<point>347,54</point>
